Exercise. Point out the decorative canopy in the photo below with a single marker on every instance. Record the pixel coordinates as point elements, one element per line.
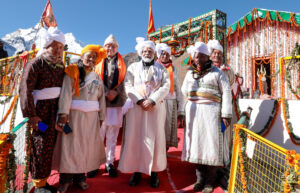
<point>262,15</point>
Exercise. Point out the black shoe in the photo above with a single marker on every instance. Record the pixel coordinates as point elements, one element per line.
<point>42,190</point>
<point>198,187</point>
<point>154,181</point>
<point>92,174</point>
<point>135,179</point>
<point>51,188</point>
<point>111,171</point>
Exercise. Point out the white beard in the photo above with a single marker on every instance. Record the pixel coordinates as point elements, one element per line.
<point>147,60</point>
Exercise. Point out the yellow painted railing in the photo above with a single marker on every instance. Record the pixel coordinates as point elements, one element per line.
<point>259,165</point>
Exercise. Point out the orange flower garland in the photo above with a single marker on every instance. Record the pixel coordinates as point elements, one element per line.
<point>291,172</point>
<point>242,154</point>
<point>282,72</point>
<point>4,151</point>
<point>9,110</point>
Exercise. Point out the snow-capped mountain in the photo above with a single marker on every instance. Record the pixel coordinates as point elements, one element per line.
<point>22,40</point>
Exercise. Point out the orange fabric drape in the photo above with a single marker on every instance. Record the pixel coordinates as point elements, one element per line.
<point>121,67</point>
<point>170,71</point>
<point>73,72</point>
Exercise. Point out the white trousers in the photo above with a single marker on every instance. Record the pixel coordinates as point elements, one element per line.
<point>111,135</point>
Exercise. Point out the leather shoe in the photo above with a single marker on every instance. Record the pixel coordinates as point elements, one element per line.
<point>154,181</point>
<point>135,179</point>
<point>111,171</point>
<point>63,188</point>
<point>82,185</point>
<point>92,174</point>
<point>198,187</point>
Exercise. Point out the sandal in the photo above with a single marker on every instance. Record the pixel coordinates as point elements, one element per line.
<point>63,188</point>
<point>82,185</point>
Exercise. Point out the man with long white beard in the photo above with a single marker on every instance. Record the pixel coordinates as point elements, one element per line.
<point>147,83</point>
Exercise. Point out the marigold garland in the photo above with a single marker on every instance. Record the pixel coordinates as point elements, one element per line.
<point>285,106</point>
<point>290,178</point>
<point>272,118</point>
<point>288,124</point>
<point>9,110</point>
<point>241,139</point>
<point>27,158</point>
<point>7,163</point>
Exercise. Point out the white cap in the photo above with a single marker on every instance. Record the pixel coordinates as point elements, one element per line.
<point>214,45</point>
<point>162,47</point>
<point>111,40</point>
<point>141,44</point>
<point>199,47</point>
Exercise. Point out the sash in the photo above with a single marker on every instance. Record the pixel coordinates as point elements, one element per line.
<point>46,93</point>
<point>85,106</point>
<point>195,96</point>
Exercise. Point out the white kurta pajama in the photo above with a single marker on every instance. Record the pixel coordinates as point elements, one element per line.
<point>82,150</point>
<point>174,103</point>
<point>144,145</point>
<point>209,99</point>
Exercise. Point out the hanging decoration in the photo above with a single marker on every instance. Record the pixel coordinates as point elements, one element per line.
<point>290,177</point>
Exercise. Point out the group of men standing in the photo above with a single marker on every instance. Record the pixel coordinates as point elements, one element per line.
<point>151,93</point>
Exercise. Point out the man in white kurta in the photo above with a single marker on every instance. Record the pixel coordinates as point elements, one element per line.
<point>174,101</point>
<point>209,101</point>
<point>144,145</point>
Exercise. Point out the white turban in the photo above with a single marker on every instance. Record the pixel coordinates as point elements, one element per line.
<point>141,44</point>
<point>111,40</point>
<point>162,47</point>
<point>50,35</point>
<point>199,47</point>
<point>214,44</point>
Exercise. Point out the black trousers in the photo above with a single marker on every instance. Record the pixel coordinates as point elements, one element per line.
<point>68,178</point>
<point>206,174</point>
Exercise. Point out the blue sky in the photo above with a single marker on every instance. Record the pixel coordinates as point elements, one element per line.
<point>91,21</point>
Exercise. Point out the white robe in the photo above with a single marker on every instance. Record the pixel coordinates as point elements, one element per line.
<point>82,150</point>
<point>144,143</point>
<point>204,143</point>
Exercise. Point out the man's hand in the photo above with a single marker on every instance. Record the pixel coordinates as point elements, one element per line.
<point>226,121</point>
<point>147,105</point>
<point>181,119</point>
<point>62,120</point>
<point>111,95</point>
<point>101,121</point>
<point>34,121</point>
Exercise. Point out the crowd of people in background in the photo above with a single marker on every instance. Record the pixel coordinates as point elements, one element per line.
<point>72,110</point>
